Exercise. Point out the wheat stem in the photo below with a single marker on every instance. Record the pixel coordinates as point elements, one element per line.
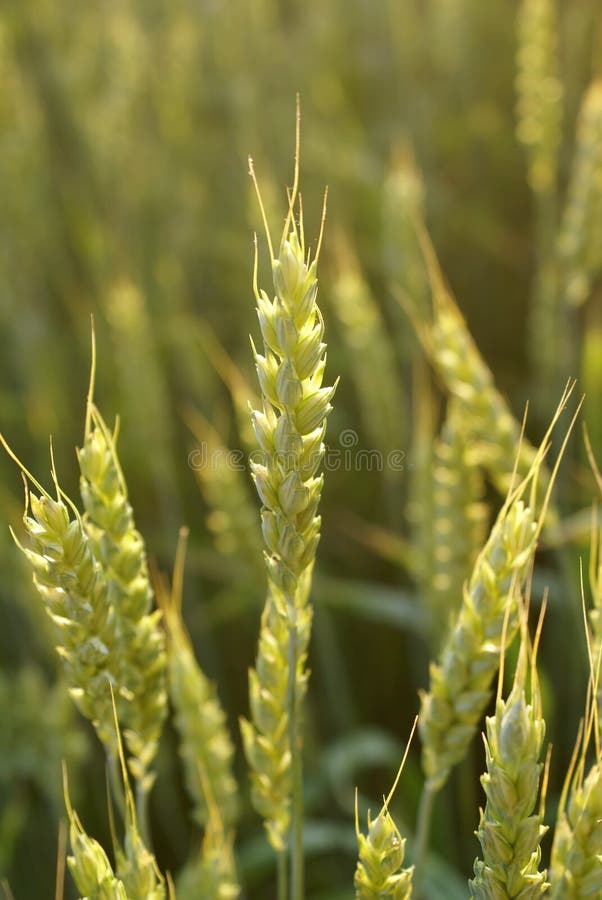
<point>296,763</point>
<point>423,827</point>
<point>282,874</point>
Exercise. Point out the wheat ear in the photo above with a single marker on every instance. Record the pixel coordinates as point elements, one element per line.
<point>509,830</point>
<point>576,862</point>
<point>205,745</point>
<point>266,737</point>
<point>469,381</point>
<point>90,867</point>
<point>379,872</point>
<point>140,644</point>
<point>539,91</point>
<point>460,681</point>
<point>290,430</point>
<point>459,519</point>
<point>76,597</point>
<point>136,875</point>
<point>580,237</point>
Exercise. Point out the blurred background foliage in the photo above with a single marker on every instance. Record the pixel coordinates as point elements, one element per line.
<point>125,127</point>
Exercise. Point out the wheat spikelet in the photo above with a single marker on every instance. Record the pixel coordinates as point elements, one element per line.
<point>119,548</point>
<point>580,237</point>
<point>509,830</point>
<point>460,681</point>
<point>539,104</point>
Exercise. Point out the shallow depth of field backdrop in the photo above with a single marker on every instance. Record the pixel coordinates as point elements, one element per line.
<point>125,128</point>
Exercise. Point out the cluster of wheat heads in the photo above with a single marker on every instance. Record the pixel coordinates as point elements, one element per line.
<point>123,659</point>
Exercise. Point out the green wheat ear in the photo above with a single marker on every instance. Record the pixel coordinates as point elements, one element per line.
<point>468,380</point>
<point>136,875</point>
<point>119,548</point>
<point>539,90</point>
<point>459,519</point>
<point>580,237</point>
<point>509,830</point>
<point>266,738</point>
<point>205,745</point>
<point>76,596</point>
<point>289,429</point>
<point>461,679</point>
<point>576,863</point>
<point>379,872</point>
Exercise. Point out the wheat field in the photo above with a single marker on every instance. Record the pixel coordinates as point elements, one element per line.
<point>317,614</point>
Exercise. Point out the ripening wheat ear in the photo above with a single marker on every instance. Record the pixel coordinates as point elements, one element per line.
<point>509,830</point>
<point>88,863</point>
<point>205,745</point>
<point>140,645</point>
<point>460,680</point>
<point>76,596</point>
<point>466,377</point>
<point>379,872</point>
<point>580,238</point>
<point>266,738</point>
<point>539,90</point>
<point>289,430</point>
<point>576,864</point>
<point>459,519</point>
<point>136,875</point>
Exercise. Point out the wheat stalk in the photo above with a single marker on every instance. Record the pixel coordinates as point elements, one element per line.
<point>266,737</point>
